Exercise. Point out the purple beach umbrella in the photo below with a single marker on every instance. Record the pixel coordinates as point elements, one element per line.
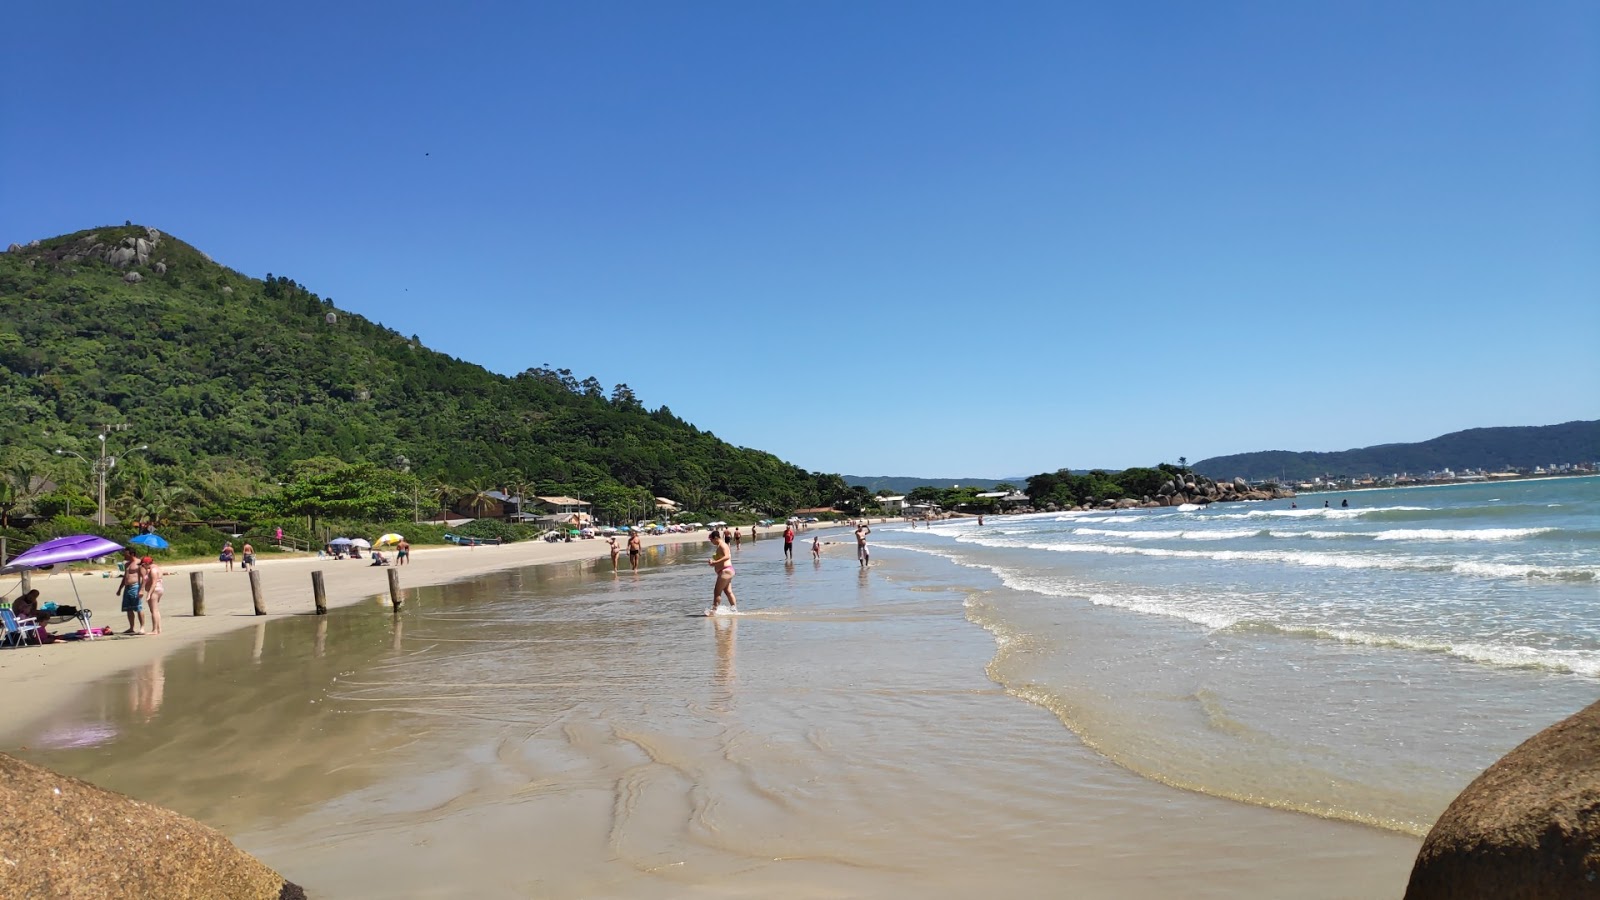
<point>72,548</point>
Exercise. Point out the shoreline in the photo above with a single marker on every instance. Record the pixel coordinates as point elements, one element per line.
<point>41,678</point>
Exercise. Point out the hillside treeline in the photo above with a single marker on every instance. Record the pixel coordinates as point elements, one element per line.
<point>241,386</point>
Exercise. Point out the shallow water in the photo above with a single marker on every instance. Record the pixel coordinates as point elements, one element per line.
<point>1362,663</point>
<point>563,731</point>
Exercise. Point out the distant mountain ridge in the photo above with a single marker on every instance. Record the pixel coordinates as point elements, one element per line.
<point>1516,447</point>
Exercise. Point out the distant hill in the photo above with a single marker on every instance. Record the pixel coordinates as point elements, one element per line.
<point>1522,447</point>
<point>232,381</point>
<point>901,484</point>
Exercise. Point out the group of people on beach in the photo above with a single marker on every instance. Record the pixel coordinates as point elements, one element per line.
<point>724,541</point>
<point>721,561</point>
<point>247,557</point>
<point>141,586</point>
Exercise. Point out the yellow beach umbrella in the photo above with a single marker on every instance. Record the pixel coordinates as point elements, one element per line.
<point>390,538</point>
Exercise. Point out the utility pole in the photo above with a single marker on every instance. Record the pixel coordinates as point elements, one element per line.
<point>103,464</point>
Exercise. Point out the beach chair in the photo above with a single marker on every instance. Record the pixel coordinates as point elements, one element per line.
<point>17,629</point>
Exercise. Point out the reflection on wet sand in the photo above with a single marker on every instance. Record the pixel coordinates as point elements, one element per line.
<point>727,635</point>
<point>147,688</point>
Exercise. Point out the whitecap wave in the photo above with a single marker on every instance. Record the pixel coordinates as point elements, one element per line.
<point>1464,534</point>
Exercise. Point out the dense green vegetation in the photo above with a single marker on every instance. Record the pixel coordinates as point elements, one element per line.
<point>262,402</point>
<point>1477,448</point>
<point>1063,488</point>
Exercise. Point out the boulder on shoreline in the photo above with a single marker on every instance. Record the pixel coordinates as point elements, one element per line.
<point>1528,827</point>
<point>62,837</point>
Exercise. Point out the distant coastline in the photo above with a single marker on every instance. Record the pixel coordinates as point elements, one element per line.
<point>1508,479</point>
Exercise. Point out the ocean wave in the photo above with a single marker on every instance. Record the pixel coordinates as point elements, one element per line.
<point>1313,558</point>
<point>1130,535</point>
<point>1452,534</point>
<point>1195,535</point>
<point>1511,656</point>
<point>1222,615</point>
<point>1325,512</point>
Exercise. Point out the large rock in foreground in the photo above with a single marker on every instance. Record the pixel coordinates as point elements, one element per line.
<point>61,837</point>
<point>1528,827</point>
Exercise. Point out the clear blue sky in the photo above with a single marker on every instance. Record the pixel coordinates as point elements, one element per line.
<point>913,238</point>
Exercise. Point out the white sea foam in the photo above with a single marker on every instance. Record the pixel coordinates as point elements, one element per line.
<point>1317,535</point>
<point>1130,535</point>
<point>1195,535</point>
<point>1319,512</point>
<point>1235,612</point>
<point>1450,534</point>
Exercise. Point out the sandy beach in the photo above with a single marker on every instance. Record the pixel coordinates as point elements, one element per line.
<point>534,725</point>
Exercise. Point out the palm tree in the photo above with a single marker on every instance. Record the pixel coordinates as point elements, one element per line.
<point>442,493</point>
<point>517,485</point>
<point>478,499</point>
<point>155,502</point>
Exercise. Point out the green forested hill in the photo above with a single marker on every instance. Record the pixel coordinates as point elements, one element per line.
<point>234,381</point>
<point>1476,448</point>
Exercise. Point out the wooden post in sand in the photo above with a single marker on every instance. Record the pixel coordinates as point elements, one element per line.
<point>255,592</point>
<point>27,580</point>
<point>394,590</point>
<point>318,595</point>
<point>197,590</point>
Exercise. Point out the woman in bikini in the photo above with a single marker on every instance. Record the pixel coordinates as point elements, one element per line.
<point>722,563</point>
<point>153,589</point>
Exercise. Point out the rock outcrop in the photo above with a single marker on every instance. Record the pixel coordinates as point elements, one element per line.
<point>65,838</point>
<point>1528,827</point>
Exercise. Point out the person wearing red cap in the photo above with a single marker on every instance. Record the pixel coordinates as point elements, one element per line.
<point>150,576</point>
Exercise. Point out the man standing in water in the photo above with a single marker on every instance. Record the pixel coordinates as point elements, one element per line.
<point>862,553</point>
<point>788,542</point>
<point>634,546</point>
<point>721,562</point>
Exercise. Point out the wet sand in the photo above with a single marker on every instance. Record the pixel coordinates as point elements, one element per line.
<point>40,678</point>
<point>559,731</point>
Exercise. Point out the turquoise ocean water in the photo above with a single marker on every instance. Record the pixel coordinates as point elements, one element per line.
<point>1360,662</point>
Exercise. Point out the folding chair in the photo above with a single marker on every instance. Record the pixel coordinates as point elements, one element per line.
<point>17,629</point>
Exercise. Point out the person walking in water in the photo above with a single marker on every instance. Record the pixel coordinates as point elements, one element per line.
<point>634,546</point>
<point>862,554</point>
<point>721,562</point>
<point>788,542</point>
<point>615,552</point>
<point>816,548</point>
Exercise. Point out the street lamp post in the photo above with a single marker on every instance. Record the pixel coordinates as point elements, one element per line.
<point>103,465</point>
